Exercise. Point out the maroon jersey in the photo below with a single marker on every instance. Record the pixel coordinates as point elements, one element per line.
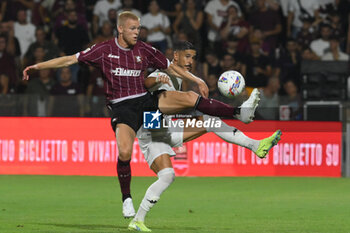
<point>123,69</point>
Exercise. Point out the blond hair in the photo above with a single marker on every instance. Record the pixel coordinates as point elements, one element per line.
<point>125,15</point>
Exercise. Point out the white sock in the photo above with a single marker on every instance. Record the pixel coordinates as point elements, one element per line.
<point>165,177</point>
<point>232,135</point>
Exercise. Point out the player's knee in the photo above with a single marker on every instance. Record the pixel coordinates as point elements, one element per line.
<point>125,154</point>
<point>167,175</point>
<point>169,178</point>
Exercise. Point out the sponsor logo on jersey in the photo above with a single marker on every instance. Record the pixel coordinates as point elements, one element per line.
<point>151,120</point>
<point>124,72</point>
<point>113,56</point>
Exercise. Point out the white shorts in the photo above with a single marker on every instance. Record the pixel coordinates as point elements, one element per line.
<point>154,143</point>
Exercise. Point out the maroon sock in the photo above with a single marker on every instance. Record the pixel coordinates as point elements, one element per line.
<point>124,177</point>
<point>216,108</point>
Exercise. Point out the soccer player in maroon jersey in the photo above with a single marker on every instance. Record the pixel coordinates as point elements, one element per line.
<point>122,62</point>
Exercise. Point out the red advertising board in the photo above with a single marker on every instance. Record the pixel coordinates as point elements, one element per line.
<point>87,146</point>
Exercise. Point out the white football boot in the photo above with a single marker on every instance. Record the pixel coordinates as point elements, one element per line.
<point>128,208</point>
<point>248,107</point>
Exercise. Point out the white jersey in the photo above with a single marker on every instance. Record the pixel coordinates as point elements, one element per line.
<point>154,143</point>
<point>174,81</point>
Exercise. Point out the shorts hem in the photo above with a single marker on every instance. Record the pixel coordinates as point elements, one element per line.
<point>156,156</point>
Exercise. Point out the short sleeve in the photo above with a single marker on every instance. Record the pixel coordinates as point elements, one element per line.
<point>156,59</point>
<point>144,20</point>
<point>90,56</point>
<point>157,73</point>
<point>97,9</point>
<point>209,8</point>
<point>166,21</point>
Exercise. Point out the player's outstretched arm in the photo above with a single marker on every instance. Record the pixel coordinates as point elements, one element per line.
<point>184,74</point>
<point>51,64</point>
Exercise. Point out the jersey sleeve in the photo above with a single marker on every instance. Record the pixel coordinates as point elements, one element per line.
<point>156,59</point>
<point>157,73</point>
<point>209,8</point>
<point>90,56</point>
<point>166,21</point>
<point>144,20</point>
<point>97,8</point>
<point>161,86</point>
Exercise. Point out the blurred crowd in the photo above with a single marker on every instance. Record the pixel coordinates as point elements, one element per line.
<point>265,40</point>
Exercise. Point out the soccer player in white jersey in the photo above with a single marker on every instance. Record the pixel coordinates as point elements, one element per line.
<point>156,144</point>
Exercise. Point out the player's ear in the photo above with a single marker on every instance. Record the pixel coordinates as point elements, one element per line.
<point>120,29</point>
<point>176,56</point>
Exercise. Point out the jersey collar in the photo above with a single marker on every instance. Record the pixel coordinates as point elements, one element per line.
<point>116,42</point>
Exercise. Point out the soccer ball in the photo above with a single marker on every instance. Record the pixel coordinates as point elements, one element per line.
<point>231,83</point>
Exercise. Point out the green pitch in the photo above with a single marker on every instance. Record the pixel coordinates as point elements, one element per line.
<point>92,204</point>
